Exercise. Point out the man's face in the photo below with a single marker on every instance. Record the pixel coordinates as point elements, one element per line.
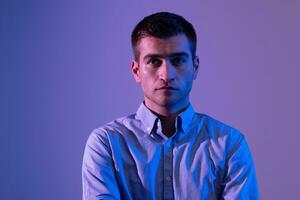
<point>166,70</point>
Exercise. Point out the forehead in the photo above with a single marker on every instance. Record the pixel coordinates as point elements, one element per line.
<point>164,46</point>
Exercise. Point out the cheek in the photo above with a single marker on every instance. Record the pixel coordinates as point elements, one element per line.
<point>147,81</point>
<point>148,76</point>
<point>188,80</point>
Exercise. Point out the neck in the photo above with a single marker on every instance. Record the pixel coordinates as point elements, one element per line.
<point>167,110</point>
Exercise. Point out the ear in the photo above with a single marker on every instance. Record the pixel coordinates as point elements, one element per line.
<point>135,70</point>
<point>196,67</point>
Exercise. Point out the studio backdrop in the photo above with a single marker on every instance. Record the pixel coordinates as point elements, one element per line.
<point>65,70</point>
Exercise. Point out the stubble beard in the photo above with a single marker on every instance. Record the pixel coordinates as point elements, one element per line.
<point>168,101</point>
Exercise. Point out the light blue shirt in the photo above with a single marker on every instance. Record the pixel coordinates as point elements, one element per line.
<point>130,158</point>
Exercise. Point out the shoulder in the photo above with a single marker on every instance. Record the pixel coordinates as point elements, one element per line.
<point>119,127</point>
<point>219,131</point>
<point>223,138</point>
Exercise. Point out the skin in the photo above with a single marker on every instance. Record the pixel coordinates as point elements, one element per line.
<point>165,70</point>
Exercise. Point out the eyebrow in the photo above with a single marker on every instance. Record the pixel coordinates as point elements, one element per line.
<point>177,54</point>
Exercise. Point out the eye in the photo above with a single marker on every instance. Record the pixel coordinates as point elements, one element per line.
<point>178,60</point>
<point>154,62</point>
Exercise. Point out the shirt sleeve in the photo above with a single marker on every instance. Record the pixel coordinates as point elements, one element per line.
<point>240,178</point>
<point>98,175</point>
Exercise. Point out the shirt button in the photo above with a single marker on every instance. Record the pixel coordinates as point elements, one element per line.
<point>168,178</point>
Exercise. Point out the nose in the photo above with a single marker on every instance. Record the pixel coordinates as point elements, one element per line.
<point>167,72</point>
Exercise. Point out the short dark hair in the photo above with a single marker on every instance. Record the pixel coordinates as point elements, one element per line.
<point>163,25</point>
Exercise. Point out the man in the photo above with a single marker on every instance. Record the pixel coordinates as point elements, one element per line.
<point>166,150</point>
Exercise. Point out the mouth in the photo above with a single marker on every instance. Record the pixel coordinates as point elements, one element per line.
<point>166,88</point>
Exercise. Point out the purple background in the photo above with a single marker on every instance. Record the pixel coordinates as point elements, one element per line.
<point>65,70</point>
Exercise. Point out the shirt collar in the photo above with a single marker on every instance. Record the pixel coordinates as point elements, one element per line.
<point>186,117</point>
<point>149,119</point>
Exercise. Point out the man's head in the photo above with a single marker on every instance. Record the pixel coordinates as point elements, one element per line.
<point>162,25</point>
<point>165,63</point>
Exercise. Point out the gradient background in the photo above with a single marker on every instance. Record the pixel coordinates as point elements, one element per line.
<point>65,70</point>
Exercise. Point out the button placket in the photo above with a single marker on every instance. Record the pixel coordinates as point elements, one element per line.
<point>168,170</point>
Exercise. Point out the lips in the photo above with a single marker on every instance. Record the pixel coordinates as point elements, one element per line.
<point>166,88</point>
